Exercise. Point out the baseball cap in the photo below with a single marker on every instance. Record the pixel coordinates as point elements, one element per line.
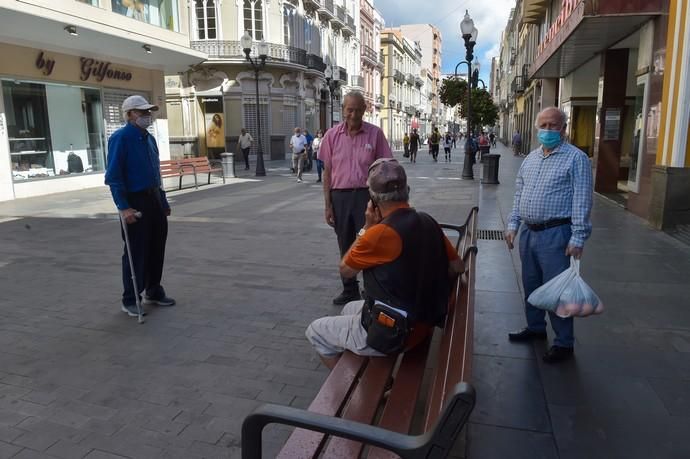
<point>137,102</point>
<point>386,175</point>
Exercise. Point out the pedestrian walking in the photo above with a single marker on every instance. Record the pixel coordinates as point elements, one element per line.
<point>133,175</point>
<point>347,150</point>
<point>414,145</point>
<point>447,145</point>
<point>517,143</point>
<point>298,144</point>
<point>434,142</point>
<point>309,159</point>
<point>244,143</point>
<point>551,212</point>
<point>455,139</point>
<point>492,139</point>
<point>315,148</point>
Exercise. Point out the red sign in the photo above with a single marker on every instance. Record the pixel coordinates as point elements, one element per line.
<point>567,7</point>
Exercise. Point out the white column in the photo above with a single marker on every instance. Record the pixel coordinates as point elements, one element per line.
<point>680,137</point>
<point>219,20</point>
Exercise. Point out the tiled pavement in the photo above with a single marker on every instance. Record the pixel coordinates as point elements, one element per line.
<point>251,264</point>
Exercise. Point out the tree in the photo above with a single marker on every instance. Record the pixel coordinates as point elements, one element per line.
<point>453,93</point>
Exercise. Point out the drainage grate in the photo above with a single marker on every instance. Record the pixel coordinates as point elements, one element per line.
<point>490,235</point>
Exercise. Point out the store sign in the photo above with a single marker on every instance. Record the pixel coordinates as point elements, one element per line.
<point>567,8</point>
<point>45,64</point>
<point>100,70</point>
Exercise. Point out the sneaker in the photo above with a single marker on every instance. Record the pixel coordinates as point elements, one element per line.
<point>346,297</point>
<point>131,310</point>
<point>299,180</point>
<point>165,301</point>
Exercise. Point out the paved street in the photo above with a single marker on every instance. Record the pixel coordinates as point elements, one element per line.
<point>251,263</point>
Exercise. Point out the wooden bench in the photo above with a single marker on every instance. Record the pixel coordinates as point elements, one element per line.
<point>354,415</point>
<point>190,166</point>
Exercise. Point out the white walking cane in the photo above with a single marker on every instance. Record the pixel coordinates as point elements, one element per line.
<point>131,265</point>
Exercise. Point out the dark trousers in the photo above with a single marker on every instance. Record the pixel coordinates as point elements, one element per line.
<point>319,168</point>
<point>147,239</point>
<point>245,153</point>
<point>348,208</point>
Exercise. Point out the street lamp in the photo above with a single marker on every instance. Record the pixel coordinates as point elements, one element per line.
<point>391,106</point>
<point>257,66</point>
<point>469,35</point>
<point>332,75</point>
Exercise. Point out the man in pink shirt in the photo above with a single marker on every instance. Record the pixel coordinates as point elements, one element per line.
<point>347,150</point>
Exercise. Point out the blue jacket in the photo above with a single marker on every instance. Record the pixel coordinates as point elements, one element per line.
<point>133,165</point>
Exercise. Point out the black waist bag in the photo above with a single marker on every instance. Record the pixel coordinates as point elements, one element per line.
<point>387,329</point>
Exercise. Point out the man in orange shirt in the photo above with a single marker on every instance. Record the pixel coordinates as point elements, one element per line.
<point>407,265</point>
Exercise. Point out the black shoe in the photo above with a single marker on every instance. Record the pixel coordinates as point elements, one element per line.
<point>558,354</point>
<point>526,335</point>
<point>345,297</point>
<point>318,181</point>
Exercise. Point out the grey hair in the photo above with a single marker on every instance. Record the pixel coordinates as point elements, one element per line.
<point>563,115</point>
<point>401,195</point>
<point>356,95</point>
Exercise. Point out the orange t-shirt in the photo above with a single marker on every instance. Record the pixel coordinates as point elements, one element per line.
<point>379,245</point>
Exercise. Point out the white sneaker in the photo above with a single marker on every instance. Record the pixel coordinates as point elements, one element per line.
<point>299,180</point>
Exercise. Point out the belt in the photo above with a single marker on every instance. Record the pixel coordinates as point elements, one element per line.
<point>155,191</point>
<point>548,224</point>
<point>348,190</point>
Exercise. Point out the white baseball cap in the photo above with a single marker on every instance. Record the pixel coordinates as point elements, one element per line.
<point>137,102</point>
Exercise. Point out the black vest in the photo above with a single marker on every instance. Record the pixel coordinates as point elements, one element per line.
<point>417,281</point>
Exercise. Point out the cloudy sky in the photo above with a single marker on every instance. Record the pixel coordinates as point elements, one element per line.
<point>490,18</point>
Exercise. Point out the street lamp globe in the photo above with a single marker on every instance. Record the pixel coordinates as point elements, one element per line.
<point>246,42</point>
<point>467,24</point>
<point>328,73</point>
<point>263,49</point>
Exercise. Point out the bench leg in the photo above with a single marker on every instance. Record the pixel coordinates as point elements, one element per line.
<point>180,187</point>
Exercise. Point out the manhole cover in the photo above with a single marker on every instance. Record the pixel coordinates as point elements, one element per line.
<point>490,235</point>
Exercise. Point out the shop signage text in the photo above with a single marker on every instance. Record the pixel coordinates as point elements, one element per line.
<point>45,64</point>
<point>567,7</point>
<point>101,70</point>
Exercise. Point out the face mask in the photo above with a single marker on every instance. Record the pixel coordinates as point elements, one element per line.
<point>144,121</point>
<point>549,138</point>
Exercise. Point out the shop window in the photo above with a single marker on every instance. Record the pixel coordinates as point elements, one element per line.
<point>54,130</point>
<point>161,13</point>
<point>206,19</point>
<point>253,19</point>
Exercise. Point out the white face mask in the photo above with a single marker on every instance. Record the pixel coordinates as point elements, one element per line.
<point>144,121</point>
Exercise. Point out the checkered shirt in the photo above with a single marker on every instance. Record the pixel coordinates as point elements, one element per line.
<point>552,187</point>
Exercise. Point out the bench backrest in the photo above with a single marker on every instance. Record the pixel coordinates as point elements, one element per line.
<point>200,164</point>
<point>169,167</point>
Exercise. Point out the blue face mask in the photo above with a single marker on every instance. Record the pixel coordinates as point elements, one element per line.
<point>549,138</point>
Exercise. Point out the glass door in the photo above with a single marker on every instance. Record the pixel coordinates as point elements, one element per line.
<point>638,133</point>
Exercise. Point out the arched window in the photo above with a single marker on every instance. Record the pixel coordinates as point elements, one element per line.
<point>253,19</point>
<point>288,25</point>
<point>205,14</point>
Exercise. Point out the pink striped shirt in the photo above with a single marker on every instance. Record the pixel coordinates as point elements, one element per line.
<point>348,158</point>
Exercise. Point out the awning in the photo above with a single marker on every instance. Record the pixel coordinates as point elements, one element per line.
<point>44,28</point>
<point>591,28</point>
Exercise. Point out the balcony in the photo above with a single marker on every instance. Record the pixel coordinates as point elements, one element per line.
<point>418,82</point>
<point>342,75</point>
<point>398,106</point>
<point>398,76</point>
<point>326,11</point>
<point>232,50</point>
<point>410,79</point>
<point>410,110</point>
<point>339,20</point>
<point>518,85</point>
<point>315,62</point>
<point>366,10</point>
<point>312,5</point>
<point>351,23</point>
<point>357,80</point>
<point>349,29</point>
<point>369,55</point>
<point>380,100</point>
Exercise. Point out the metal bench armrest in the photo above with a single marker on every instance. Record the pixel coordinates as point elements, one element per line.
<point>440,438</point>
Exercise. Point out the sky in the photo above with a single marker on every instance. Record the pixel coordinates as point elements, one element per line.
<point>490,21</point>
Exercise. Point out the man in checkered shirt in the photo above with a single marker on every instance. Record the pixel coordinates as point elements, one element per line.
<point>553,201</point>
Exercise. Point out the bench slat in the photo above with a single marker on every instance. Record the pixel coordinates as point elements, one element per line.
<point>363,405</point>
<point>400,406</point>
<point>330,401</point>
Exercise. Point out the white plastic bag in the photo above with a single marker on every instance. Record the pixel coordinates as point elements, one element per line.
<point>567,295</point>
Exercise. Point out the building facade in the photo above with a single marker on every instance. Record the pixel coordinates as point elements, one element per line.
<point>66,67</point>
<point>302,36</point>
<point>619,69</point>
<point>371,64</point>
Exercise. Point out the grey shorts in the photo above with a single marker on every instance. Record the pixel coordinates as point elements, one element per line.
<point>334,335</point>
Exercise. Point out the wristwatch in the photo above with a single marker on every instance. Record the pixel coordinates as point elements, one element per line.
<point>361,232</point>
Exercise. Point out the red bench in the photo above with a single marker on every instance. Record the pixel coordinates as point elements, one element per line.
<point>354,414</point>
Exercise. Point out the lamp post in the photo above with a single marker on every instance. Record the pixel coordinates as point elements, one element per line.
<point>332,74</point>
<point>391,105</point>
<point>469,35</point>
<point>257,66</point>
